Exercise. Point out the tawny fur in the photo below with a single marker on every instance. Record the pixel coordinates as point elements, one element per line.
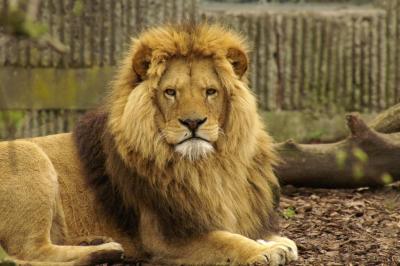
<point>121,175</point>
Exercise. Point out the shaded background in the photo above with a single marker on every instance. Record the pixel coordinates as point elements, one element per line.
<point>311,61</point>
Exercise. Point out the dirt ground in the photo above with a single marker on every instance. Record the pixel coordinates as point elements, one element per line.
<point>343,227</point>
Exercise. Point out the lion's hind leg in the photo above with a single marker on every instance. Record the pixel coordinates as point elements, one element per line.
<point>53,255</point>
<point>30,211</point>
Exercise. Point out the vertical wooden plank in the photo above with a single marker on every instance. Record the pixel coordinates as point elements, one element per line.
<point>307,65</point>
<point>374,53</point>
<point>286,53</point>
<point>27,124</point>
<point>86,28</point>
<point>339,84</point>
<point>262,62</point>
<point>66,30</point>
<point>96,33</point>
<point>280,89</point>
<point>44,17</point>
<point>271,74</point>
<point>348,65</point>
<point>297,50</point>
<point>250,29</point>
<point>103,33</point>
<point>51,28</point>
<point>12,52</point>
<point>316,79</point>
<point>391,53</point>
<point>73,27</point>
<point>58,30</point>
<point>365,66</point>
<point>112,37</point>
<point>331,89</point>
<point>324,62</point>
<point>382,63</point>
<point>356,88</point>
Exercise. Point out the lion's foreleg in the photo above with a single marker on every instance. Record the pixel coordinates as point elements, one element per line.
<point>220,247</point>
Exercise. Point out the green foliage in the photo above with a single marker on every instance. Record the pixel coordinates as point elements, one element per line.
<point>3,259</point>
<point>7,263</point>
<point>78,7</point>
<point>16,23</point>
<point>3,254</point>
<point>358,171</point>
<point>289,213</point>
<point>13,22</point>
<point>10,121</point>
<point>387,178</point>
<point>316,135</point>
<point>11,118</point>
<point>341,157</point>
<point>34,29</point>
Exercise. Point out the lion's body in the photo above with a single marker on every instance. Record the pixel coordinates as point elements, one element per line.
<point>133,172</point>
<point>83,215</point>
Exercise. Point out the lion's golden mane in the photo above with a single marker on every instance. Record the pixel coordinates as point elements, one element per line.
<point>132,168</point>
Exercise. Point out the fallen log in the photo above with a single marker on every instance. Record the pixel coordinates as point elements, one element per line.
<point>369,156</point>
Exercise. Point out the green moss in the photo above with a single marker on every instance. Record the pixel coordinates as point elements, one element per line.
<point>341,157</point>
<point>360,155</point>
<point>48,88</point>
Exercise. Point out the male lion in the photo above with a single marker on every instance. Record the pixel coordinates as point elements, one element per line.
<point>176,166</point>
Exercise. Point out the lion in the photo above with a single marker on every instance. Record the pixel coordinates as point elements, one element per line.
<point>175,167</point>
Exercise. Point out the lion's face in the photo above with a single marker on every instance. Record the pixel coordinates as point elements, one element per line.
<point>192,106</point>
<point>183,90</point>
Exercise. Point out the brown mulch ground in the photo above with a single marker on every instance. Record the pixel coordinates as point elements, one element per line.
<point>343,227</point>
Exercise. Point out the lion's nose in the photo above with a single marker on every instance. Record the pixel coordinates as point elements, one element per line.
<point>192,124</point>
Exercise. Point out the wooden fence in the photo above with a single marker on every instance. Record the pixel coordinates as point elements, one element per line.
<point>309,60</point>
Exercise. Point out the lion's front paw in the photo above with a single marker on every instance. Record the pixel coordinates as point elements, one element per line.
<point>277,251</point>
<point>103,253</point>
<point>272,256</point>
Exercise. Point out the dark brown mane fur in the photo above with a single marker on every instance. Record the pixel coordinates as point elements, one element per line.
<point>89,139</point>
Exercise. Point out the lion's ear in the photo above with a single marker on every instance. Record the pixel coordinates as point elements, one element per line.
<point>141,61</point>
<point>238,60</point>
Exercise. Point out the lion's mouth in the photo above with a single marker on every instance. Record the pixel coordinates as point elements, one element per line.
<point>194,148</point>
<point>192,138</point>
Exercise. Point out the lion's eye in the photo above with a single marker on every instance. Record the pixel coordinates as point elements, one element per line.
<point>170,92</point>
<point>211,91</point>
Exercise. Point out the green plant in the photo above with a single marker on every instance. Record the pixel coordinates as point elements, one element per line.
<point>289,212</point>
